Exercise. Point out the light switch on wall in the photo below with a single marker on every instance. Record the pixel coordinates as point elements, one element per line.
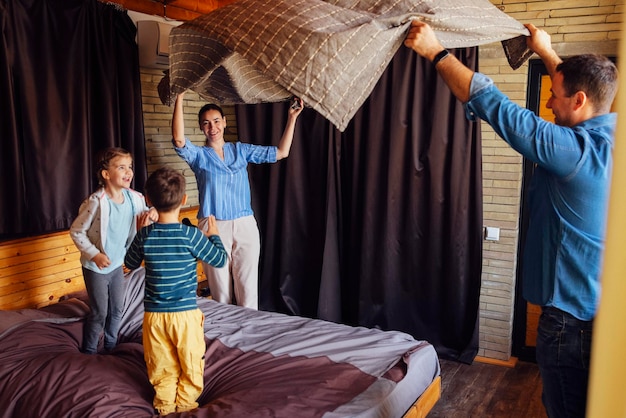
<point>492,233</point>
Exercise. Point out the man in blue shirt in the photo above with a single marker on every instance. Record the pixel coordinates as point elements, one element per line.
<point>568,197</point>
<point>221,170</point>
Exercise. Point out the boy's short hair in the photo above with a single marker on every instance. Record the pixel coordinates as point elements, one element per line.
<point>165,189</point>
<point>103,159</point>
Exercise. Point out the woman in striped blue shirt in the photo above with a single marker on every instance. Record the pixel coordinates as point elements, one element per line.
<point>221,172</point>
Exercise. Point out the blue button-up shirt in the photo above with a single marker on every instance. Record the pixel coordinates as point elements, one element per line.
<point>223,185</point>
<point>568,198</point>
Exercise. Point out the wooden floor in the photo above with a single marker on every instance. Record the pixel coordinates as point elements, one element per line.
<point>484,390</point>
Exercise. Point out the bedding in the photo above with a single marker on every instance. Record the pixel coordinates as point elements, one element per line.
<point>329,53</point>
<point>258,364</point>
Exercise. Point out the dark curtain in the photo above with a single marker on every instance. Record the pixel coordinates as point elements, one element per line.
<point>379,226</point>
<point>69,77</point>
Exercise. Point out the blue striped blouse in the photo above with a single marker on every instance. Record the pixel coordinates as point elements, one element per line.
<point>223,186</point>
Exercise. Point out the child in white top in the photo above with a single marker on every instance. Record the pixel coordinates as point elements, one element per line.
<point>106,224</point>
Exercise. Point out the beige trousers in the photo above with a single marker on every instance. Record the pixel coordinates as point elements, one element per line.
<point>240,275</point>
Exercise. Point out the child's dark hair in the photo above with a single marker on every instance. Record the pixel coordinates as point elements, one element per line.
<point>103,159</point>
<point>165,189</point>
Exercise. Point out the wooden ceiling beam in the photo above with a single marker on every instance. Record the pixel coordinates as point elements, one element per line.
<point>182,10</point>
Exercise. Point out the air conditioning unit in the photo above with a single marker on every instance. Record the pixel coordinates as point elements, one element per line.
<point>153,42</point>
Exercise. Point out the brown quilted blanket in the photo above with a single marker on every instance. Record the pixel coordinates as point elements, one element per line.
<point>329,53</point>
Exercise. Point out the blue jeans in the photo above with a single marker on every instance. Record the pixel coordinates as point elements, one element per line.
<point>106,302</point>
<point>563,354</point>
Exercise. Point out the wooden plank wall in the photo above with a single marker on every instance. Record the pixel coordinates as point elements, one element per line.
<point>37,271</point>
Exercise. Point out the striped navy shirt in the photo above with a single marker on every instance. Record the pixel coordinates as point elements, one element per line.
<point>171,252</point>
<point>223,186</point>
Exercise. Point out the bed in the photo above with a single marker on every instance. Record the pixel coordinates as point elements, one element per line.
<point>258,364</point>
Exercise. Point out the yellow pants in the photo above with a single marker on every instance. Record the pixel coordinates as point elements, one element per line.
<point>174,350</point>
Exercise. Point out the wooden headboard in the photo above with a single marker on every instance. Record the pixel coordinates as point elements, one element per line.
<point>37,271</point>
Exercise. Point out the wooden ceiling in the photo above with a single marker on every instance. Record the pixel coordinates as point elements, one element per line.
<point>182,10</point>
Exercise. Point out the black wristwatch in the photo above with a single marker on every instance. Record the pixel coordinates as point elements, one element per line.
<point>441,56</point>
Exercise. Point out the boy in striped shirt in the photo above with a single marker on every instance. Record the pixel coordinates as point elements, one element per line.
<point>173,326</point>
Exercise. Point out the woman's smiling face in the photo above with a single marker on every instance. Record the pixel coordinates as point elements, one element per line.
<point>213,124</point>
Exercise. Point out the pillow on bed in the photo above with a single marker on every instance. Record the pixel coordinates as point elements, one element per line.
<point>73,309</point>
<point>68,307</point>
<point>75,306</point>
